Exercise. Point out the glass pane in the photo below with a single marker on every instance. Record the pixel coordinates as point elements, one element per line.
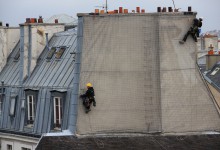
<point>51,52</point>
<point>60,52</point>
<point>12,107</point>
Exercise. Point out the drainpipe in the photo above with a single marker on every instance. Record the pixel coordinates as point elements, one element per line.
<point>21,55</point>
<point>29,51</point>
<point>2,93</point>
<point>47,41</point>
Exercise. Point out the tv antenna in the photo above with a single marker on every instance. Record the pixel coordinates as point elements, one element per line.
<point>104,6</point>
<point>174,4</point>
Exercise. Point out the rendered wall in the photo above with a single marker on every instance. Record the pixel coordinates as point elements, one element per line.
<point>145,81</point>
<point>9,37</point>
<point>186,103</point>
<point>35,41</point>
<point>120,59</point>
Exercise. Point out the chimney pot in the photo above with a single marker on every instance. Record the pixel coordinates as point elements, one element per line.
<point>56,21</point>
<point>170,9</point>
<point>158,9</point>
<point>189,9</point>
<point>138,9</point>
<point>120,10</point>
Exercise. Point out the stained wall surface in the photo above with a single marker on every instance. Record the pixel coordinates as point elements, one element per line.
<point>144,80</point>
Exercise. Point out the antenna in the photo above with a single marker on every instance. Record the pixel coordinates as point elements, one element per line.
<point>174,4</point>
<point>104,6</point>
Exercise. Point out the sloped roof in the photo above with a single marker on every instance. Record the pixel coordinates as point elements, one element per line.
<point>214,75</point>
<point>10,72</point>
<point>183,142</point>
<point>55,72</point>
<point>62,18</point>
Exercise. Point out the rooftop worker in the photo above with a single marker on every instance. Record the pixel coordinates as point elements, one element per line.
<point>194,30</point>
<point>88,97</point>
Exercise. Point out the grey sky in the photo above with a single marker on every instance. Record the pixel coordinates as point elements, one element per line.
<point>15,11</point>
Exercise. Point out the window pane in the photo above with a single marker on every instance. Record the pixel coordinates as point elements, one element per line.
<point>12,106</point>
<point>60,52</point>
<point>31,109</point>
<point>1,103</point>
<point>57,111</point>
<point>51,52</point>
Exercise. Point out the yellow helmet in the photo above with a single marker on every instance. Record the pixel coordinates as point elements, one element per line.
<point>89,84</point>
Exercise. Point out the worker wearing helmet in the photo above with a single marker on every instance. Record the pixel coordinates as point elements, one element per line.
<point>89,97</point>
<point>194,30</point>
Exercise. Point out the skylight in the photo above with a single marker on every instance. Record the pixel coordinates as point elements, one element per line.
<point>60,52</point>
<point>215,71</point>
<point>51,52</point>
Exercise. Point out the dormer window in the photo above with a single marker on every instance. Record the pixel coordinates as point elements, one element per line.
<point>31,104</point>
<point>58,101</point>
<point>58,109</point>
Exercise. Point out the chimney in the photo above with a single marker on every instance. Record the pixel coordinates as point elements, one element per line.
<point>28,20</point>
<point>56,21</point>
<point>125,11</point>
<point>138,9</point>
<point>96,11</point>
<point>158,9</point>
<point>40,19</point>
<point>189,9</point>
<point>34,43</point>
<point>211,58</point>
<point>170,9</point>
<point>164,9</point>
<point>120,10</point>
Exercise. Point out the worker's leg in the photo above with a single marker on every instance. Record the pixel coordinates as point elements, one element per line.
<point>194,36</point>
<point>186,35</point>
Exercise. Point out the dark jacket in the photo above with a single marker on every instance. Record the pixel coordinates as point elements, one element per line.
<point>90,93</point>
<point>197,23</point>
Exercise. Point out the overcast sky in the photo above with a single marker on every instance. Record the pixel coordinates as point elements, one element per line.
<point>15,11</point>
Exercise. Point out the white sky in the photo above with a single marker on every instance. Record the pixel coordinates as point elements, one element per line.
<point>16,11</point>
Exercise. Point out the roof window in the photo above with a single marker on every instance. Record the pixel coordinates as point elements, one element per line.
<point>59,52</point>
<point>51,52</point>
<point>215,71</point>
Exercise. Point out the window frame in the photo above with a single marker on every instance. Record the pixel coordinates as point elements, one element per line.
<point>62,96</point>
<point>9,147</point>
<point>30,117</point>
<point>31,110</point>
<point>51,53</point>
<point>12,108</point>
<point>1,103</point>
<point>60,51</point>
<point>57,113</point>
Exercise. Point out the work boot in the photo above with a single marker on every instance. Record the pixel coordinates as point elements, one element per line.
<point>181,42</point>
<point>88,110</point>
